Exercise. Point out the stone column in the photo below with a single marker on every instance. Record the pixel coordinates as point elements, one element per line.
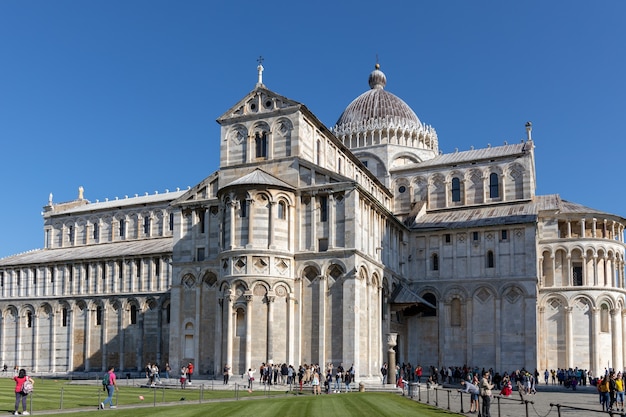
<point>70,336</point>
<point>249,300</point>
<point>567,273</point>
<point>595,342</point>
<point>291,221</point>
<point>228,298</point>
<point>250,203</point>
<point>52,331</point>
<point>582,227</point>
<point>391,358</point>
<point>196,328</point>
<point>542,338</point>
<point>332,215</point>
<point>270,326</point>
<point>18,339</point>
<point>623,332</point>
<point>322,329</point>
<point>103,335</point>
<point>219,360</point>
<point>142,331</point>
<point>87,345</point>
<point>35,345</point>
<point>569,339</point>
<point>290,328</point>
<point>313,205</point>
<point>616,339</point>
<point>271,222</point>
<point>231,244</point>
<point>485,189</point>
<point>120,332</point>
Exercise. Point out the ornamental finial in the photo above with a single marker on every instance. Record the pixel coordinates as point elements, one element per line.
<point>260,70</point>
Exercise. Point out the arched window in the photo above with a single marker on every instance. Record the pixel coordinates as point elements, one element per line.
<point>281,212</point>
<point>243,208</point>
<point>201,220</point>
<point>318,153</point>
<point>456,189</point>
<point>490,260</point>
<point>455,313</point>
<point>494,189</point>
<point>604,318</point>
<point>133,314</point>
<point>431,299</point>
<point>240,323</point>
<point>323,208</point>
<point>122,228</point>
<point>260,142</point>
<point>99,316</point>
<point>435,262</point>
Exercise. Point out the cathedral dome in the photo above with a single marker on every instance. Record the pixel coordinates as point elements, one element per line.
<point>378,110</point>
<point>377,105</point>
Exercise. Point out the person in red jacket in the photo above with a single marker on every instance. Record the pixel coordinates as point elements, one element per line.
<point>20,396</point>
<point>189,371</point>
<point>418,373</point>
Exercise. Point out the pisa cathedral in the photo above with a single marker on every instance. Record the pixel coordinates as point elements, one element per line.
<point>357,244</point>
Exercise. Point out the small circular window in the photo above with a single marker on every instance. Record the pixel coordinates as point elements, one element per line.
<point>253,107</point>
<point>268,104</point>
<point>402,189</point>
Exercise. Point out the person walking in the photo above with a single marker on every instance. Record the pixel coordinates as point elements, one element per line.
<point>604,390</point>
<point>383,372</point>
<point>110,384</point>
<point>250,378</point>
<point>619,388</point>
<point>20,392</point>
<point>183,377</point>
<point>485,387</point>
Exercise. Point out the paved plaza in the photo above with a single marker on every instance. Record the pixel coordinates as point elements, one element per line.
<point>544,403</point>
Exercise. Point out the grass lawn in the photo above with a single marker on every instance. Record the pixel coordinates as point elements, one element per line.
<point>56,394</point>
<point>49,394</point>
<point>341,405</point>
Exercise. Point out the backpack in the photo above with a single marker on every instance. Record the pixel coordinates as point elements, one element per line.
<point>106,379</point>
<point>27,387</point>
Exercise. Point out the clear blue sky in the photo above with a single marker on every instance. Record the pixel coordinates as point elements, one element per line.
<point>121,97</point>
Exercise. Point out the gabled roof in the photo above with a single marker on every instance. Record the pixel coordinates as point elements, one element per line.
<point>554,203</point>
<point>402,295</point>
<point>121,202</point>
<point>99,251</point>
<point>475,155</point>
<point>244,106</point>
<point>259,177</point>
<point>491,215</point>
